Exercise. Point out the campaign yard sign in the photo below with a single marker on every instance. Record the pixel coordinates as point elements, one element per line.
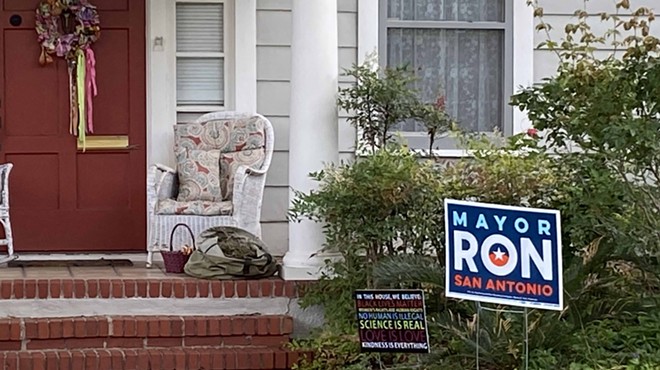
<point>392,321</point>
<point>503,254</point>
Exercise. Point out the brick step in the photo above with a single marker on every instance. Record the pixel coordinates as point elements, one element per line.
<point>131,287</point>
<point>144,332</point>
<point>152,359</point>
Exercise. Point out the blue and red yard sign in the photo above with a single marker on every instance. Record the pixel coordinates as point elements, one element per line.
<point>503,254</point>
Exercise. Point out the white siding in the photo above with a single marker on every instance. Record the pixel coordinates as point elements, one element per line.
<point>273,94</point>
<point>560,13</point>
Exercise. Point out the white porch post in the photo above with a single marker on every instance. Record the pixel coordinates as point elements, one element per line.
<point>313,127</point>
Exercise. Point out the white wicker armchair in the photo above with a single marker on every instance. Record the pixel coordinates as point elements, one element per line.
<point>5,169</point>
<point>245,188</point>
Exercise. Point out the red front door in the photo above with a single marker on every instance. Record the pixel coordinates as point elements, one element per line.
<point>62,199</point>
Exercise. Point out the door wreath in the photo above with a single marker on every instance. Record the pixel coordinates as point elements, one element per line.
<point>67,29</point>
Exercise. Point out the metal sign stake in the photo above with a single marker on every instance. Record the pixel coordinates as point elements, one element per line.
<point>526,327</point>
<point>525,314</point>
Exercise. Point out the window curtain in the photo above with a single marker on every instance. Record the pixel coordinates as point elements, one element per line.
<point>464,65</point>
<point>446,10</point>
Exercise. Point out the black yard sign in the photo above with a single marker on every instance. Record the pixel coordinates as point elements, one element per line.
<point>392,321</point>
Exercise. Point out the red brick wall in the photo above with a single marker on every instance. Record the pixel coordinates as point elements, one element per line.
<point>146,288</point>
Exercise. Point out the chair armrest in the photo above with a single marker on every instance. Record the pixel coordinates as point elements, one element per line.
<point>248,196</point>
<point>255,172</point>
<point>5,169</point>
<point>164,168</point>
<point>161,184</point>
<point>244,176</point>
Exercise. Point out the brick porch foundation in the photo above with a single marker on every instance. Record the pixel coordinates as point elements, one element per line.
<point>132,339</point>
<point>178,287</point>
<point>151,359</point>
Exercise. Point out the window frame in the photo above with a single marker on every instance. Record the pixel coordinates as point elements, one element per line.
<point>228,57</point>
<point>447,146</point>
<point>161,100</point>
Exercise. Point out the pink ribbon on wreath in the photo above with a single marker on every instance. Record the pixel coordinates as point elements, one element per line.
<point>90,84</point>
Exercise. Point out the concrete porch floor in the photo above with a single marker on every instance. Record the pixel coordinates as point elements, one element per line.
<point>137,271</point>
<point>124,282</point>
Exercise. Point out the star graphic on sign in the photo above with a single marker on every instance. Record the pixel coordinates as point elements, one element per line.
<point>498,257</point>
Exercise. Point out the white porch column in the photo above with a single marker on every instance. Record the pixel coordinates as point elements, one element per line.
<point>313,127</point>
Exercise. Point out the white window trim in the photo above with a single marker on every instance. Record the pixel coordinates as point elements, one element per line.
<point>523,58</point>
<point>523,54</point>
<point>227,56</point>
<point>241,67</point>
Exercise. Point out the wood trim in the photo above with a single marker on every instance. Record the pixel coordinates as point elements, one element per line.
<point>245,51</point>
<point>367,28</point>
<point>447,25</point>
<point>138,112</point>
<point>523,57</point>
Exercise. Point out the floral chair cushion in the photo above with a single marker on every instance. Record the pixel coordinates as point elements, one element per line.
<point>233,141</point>
<point>198,207</point>
<point>229,163</point>
<point>223,135</point>
<point>199,175</point>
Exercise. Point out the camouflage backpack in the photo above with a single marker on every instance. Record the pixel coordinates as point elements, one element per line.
<point>226,252</point>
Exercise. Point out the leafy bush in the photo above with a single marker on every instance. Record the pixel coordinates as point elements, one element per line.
<point>600,285</point>
<point>606,112</point>
<point>382,98</point>
<point>594,155</point>
<point>519,173</point>
<point>378,100</point>
<point>383,204</point>
<point>597,163</point>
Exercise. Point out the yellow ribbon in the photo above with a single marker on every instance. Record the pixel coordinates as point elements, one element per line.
<point>73,130</point>
<point>80,81</point>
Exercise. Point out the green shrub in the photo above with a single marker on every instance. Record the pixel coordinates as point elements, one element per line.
<point>596,158</point>
<point>606,113</point>
<point>600,285</point>
<point>378,100</point>
<point>382,98</point>
<point>383,204</point>
<point>597,161</point>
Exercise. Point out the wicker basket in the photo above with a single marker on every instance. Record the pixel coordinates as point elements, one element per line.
<point>175,260</point>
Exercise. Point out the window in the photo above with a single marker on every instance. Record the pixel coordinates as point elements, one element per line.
<point>461,49</point>
<point>200,56</point>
